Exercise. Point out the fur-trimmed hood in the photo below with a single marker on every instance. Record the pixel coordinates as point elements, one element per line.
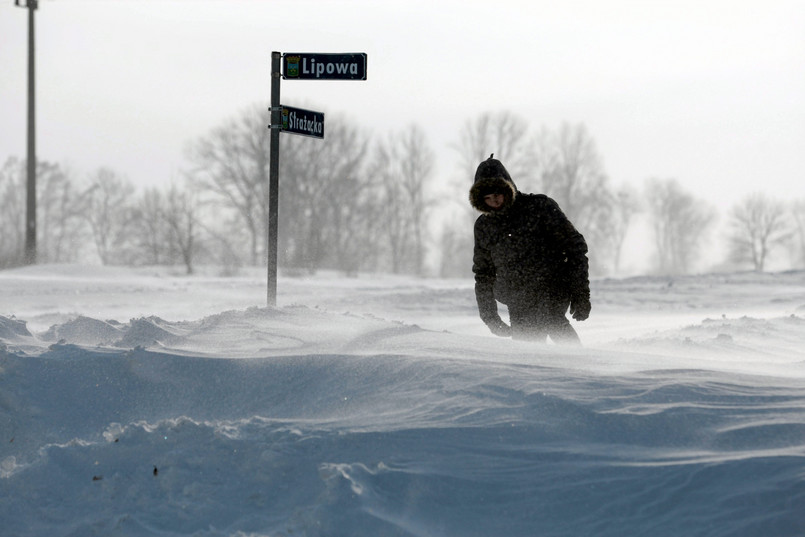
<point>491,177</point>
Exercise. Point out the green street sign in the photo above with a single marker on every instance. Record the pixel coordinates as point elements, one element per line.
<point>302,122</point>
<point>304,66</point>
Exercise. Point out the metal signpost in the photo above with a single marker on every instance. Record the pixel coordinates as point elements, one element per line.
<point>298,66</point>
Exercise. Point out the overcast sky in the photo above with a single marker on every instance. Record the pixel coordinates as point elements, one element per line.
<point>711,93</point>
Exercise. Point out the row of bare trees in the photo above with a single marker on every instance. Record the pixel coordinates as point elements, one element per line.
<point>562,163</point>
<point>105,220</point>
<point>354,202</point>
<point>345,203</point>
<point>565,164</point>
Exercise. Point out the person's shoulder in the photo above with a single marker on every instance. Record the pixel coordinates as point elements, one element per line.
<point>482,220</point>
<point>541,200</point>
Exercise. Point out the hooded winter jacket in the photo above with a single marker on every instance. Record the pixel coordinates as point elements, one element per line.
<point>525,251</point>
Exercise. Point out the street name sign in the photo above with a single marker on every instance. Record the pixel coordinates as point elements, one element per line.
<point>302,122</point>
<point>307,66</point>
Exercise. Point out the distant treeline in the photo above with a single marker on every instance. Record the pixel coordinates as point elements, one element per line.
<point>356,202</point>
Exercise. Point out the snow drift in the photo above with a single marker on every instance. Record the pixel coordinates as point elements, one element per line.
<point>133,402</point>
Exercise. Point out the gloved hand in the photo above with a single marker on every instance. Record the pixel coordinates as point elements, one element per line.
<point>499,328</point>
<point>580,308</point>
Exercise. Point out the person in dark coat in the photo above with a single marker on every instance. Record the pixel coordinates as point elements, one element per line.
<point>528,256</point>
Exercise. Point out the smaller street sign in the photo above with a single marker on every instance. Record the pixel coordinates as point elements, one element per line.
<point>306,66</point>
<point>302,122</point>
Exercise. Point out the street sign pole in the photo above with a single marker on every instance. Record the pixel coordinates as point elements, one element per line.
<point>298,121</point>
<point>273,178</point>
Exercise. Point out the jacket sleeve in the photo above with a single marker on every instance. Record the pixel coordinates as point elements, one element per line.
<point>484,270</point>
<point>574,253</point>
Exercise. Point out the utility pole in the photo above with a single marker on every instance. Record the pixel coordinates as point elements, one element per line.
<point>30,217</point>
<point>273,182</point>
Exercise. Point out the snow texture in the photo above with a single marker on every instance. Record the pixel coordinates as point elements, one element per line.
<point>136,402</point>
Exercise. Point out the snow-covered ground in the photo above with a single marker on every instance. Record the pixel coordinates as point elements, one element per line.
<point>137,402</point>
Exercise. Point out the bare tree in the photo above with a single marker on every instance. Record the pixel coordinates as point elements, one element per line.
<point>417,159</point>
<point>798,235</point>
<point>619,208</point>
<point>394,224</point>
<point>504,134</point>
<point>150,223</point>
<point>680,223</point>
<point>60,211</point>
<point>454,242</point>
<point>402,166</point>
<point>61,225</point>
<point>501,133</point>
<point>110,215</point>
<point>181,217</point>
<point>12,216</point>
<point>326,205</point>
<point>570,170</point>
<point>757,225</point>
<point>168,227</point>
<point>231,163</point>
